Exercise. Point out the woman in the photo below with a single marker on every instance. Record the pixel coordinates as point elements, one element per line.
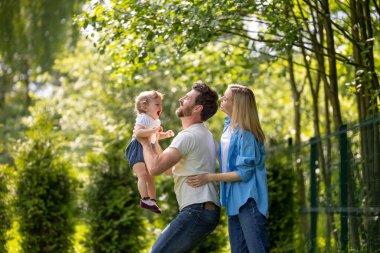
<point>243,187</point>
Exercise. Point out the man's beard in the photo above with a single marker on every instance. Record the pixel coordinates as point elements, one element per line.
<point>184,112</point>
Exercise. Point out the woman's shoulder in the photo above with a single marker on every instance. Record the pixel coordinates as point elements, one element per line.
<point>245,133</point>
<point>248,136</point>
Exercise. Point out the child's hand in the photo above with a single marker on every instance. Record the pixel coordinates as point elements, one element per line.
<point>167,134</point>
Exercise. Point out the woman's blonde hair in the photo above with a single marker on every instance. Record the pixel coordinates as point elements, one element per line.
<point>244,112</point>
<point>144,98</point>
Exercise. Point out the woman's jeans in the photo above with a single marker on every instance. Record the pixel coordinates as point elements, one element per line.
<point>248,230</point>
<point>188,229</point>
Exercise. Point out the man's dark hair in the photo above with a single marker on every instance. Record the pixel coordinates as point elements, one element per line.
<point>208,98</point>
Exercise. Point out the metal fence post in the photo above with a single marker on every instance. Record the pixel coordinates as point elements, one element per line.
<point>313,193</point>
<point>344,167</point>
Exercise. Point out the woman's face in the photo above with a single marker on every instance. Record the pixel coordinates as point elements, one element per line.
<point>226,102</point>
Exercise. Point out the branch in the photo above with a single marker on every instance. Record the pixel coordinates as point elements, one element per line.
<point>341,29</point>
<point>265,53</point>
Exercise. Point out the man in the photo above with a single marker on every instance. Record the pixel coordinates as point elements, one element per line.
<point>199,207</point>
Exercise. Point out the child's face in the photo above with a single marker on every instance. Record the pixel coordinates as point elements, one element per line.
<point>154,108</point>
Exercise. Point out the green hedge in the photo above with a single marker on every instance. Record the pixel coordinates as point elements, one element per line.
<point>4,207</point>
<point>114,218</point>
<point>44,199</point>
<point>281,202</point>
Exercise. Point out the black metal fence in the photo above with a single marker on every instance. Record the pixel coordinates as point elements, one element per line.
<point>338,189</point>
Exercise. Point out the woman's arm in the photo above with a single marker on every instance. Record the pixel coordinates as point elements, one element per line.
<point>202,179</point>
<point>246,155</point>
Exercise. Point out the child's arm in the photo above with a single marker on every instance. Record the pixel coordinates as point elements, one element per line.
<point>140,131</point>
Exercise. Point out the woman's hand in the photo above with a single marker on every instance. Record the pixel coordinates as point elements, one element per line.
<point>197,180</point>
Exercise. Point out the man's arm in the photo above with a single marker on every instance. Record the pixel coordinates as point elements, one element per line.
<point>159,163</point>
<point>158,150</point>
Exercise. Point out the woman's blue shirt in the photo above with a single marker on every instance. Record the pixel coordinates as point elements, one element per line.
<point>246,156</point>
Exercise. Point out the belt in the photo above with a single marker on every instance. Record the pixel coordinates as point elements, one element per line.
<point>209,205</point>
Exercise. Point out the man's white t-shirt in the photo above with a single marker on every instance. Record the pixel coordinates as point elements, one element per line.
<point>197,147</point>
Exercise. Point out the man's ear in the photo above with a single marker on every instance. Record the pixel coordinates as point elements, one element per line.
<point>198,108</point>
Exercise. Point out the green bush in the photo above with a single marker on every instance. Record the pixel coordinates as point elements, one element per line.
<point>4,207</point>
<point>44,198</point>
<point>281,203</point>
<point>115,220</point>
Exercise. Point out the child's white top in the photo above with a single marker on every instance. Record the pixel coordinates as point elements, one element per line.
<point>148,122</point>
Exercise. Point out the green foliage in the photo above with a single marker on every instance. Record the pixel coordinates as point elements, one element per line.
<point>114,217</point>
<point>164,45</point>
<point>45,194</point>
<point>5,215</point>
<point>167,202</point>
<point>32,33</point>
<point>134,32</point>
<point>282,208</point>
<point>11,127</point>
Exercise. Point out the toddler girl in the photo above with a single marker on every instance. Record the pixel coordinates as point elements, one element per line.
<point>148,106</point>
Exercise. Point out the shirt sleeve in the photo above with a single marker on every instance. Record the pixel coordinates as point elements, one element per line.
<point>146,121</point>
<point>245,160</point>
<point>183,142</point>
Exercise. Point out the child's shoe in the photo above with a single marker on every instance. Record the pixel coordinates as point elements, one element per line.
<point>150,205</point>
<point>157,209</point>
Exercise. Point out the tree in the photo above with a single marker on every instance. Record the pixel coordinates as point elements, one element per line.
<point>32,33</point>
<point>45,188</point>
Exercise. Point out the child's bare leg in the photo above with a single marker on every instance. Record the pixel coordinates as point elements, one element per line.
<point>152,192</point>
<point>142,178</point>
<point>151,186</point>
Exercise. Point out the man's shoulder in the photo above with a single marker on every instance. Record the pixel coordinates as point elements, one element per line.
<point>185,133</point>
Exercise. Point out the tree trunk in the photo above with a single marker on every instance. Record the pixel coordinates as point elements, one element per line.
<point>333,77</point>
<point>366,82</point>
<point>4,83</point>
<point>297,125</point>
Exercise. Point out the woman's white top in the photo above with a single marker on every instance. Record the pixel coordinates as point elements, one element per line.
<point>225,143</point>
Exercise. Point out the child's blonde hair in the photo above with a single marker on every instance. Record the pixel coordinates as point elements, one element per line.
<point>144,98</point>
<point>244,112</point>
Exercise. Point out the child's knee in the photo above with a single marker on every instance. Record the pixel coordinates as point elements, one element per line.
<point>143,175</point>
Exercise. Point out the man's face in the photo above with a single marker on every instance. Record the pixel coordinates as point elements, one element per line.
<point>187,104</point>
